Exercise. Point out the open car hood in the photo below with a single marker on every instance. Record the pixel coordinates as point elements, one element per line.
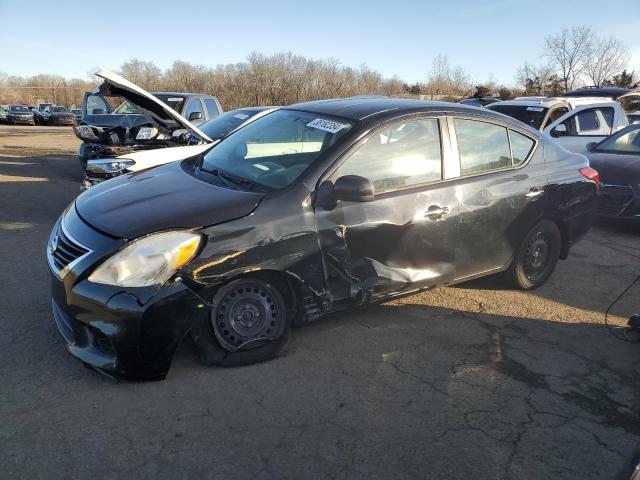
<point>152,107</point>
<point>630,101</point>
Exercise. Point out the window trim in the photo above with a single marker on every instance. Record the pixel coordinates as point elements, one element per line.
<point>444,156</point>
<point>454,144</point>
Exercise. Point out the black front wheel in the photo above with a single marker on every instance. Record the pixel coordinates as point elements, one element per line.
<point>248,322</point>
<point>537,256</point>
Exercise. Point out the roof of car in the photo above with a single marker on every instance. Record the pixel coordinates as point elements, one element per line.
<point>597,92</point>
<point>359,108</point>
<point>183,94</point>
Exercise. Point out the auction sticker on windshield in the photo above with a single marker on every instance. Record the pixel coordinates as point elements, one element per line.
<point>241,116</point>
<point>327,125</point>
<point>535,109</point>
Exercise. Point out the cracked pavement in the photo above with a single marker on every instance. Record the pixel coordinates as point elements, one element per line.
<point>473,381</point>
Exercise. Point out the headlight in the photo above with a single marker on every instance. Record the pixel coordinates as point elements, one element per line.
<point>147,133</point>
<point>148,261</point>
<point>109,165</point>
<point>85,132</point>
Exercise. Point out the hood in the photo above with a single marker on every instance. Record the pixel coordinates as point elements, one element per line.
<point>152,107</point>
<point>616,169</point>
<point>159,156</point>
<point>630,101</point>
<point>160,199</point>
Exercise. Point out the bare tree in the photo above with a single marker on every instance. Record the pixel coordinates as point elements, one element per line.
<point>568,50</point>
<point>535,78</point>
<point>445,79</point>
<point>606,58</point>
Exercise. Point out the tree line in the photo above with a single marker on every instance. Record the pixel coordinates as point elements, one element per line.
<point>572,57</point>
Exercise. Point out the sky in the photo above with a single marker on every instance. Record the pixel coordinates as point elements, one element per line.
<point>490,39</point>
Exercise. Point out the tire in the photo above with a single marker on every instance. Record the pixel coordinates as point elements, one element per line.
<point>249,322</point>
<point>537,257</point>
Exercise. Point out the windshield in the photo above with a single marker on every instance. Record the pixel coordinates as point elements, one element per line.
<point>19,108</point>
<point>531,115</point>
<point>58,109</point>
<point>625,141</point>
<point>173,101</point>
<point>274,150</point>
<point>126,108</point>
<point>222,125</point>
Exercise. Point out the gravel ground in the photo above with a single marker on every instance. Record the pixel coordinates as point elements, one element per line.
<point>474,381</point>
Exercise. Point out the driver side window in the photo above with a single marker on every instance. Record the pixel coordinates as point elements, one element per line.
<point>403,154</point>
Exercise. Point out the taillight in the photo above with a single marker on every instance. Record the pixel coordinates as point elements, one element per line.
<point>592,175</point>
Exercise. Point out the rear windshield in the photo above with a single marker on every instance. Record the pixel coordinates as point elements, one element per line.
<point>222,125</point>
<point>58,109</point>
<point>174,101</point>
<point>271,152</point>
<point>531,115</point>
<point>18,108</point>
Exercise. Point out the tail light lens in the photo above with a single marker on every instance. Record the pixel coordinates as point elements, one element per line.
<point>592,175</point>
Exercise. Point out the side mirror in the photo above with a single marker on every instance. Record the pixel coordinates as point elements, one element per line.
<point>195,116</point>
<point>353,188</point>
<point>98,111</point>
<point>590,146</point>
<point>559,131</point>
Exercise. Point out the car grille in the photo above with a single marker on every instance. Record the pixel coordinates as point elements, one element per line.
<point>64,251</point>
<point>614,199</point>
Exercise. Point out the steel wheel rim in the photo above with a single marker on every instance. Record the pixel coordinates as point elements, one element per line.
<point>536,256</point>
<point>248,314</point>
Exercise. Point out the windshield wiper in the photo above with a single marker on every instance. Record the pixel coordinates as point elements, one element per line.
<point>223,178</point>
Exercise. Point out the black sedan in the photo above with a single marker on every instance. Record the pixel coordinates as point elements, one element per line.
<point>19,115</point>
<point>314,208</point>
<point>57,115</point>
<point>617,159</point>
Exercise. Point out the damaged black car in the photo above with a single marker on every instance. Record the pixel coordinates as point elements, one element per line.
<point>141,120</point>
<point>314,208</point>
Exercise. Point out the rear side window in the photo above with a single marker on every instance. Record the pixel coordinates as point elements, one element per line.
<point>482,146</point>
<point>212,107</point>
<point>521,147</point>
<point>403,154</point>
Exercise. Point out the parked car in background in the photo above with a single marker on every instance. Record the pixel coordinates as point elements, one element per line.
<point>3,114</point>
<point>77,112</point>
<point>100,169</point>
<point>479,101</point>
<point>609,93</point>
<point>617,160</point>
<point>311,209</point>
<point>536,112</point>
<point>633,117</point>
<point>57,115</point>
<point>572,122</point>
<point>19,115</point>
<point>37,112</point>
<point>137,124</point>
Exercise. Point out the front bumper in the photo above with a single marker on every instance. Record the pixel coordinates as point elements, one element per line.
<point>129,333</point>
<point>24,120</point>
<point>61,121</point>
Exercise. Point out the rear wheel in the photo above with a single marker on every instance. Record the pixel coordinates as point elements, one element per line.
<point>248,323</point>
<point>537,257</point>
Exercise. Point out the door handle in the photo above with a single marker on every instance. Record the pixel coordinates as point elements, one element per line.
<point>534,193</point>
<point>436,212</point>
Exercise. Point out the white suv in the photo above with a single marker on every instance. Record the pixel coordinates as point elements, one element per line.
<point>573,122</point>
